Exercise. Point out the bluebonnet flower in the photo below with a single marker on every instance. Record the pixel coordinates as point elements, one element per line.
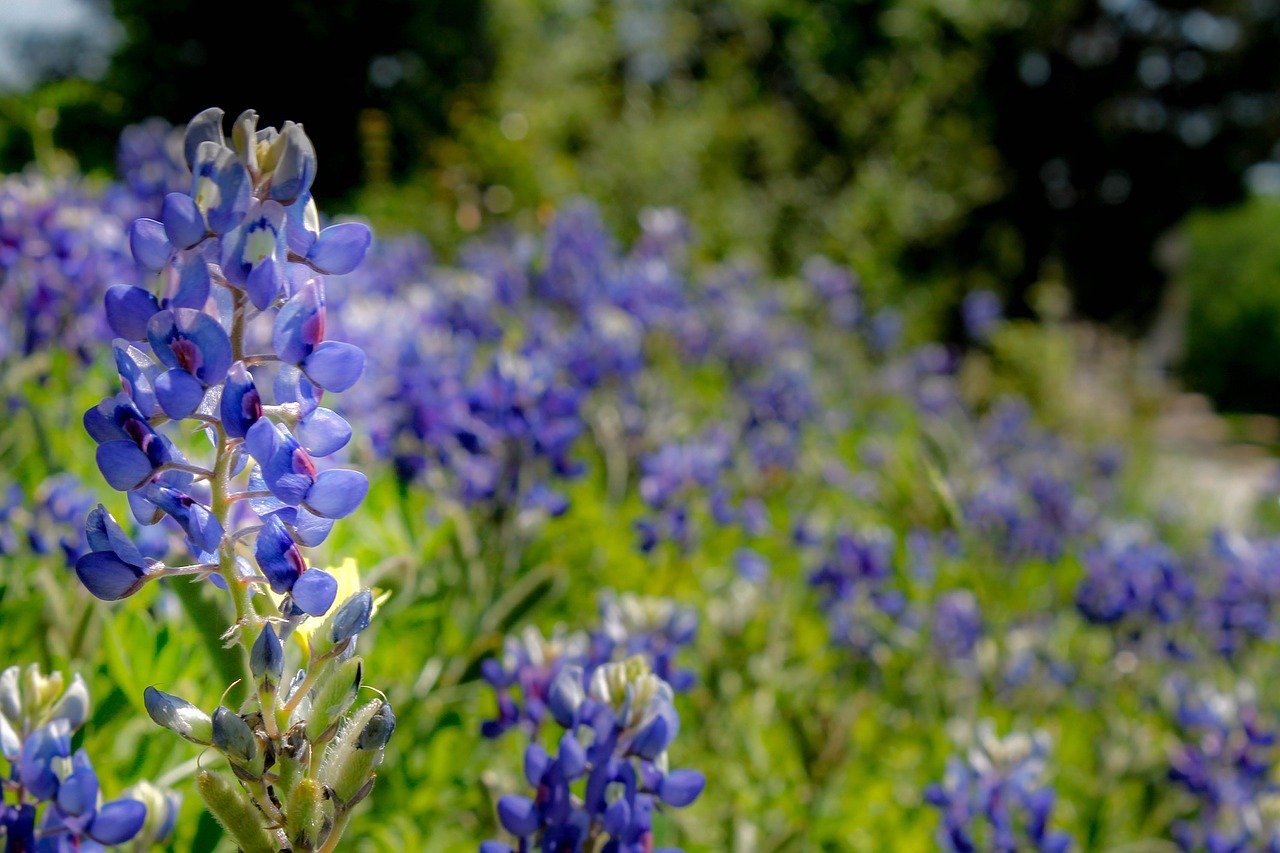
<point>240,254</point>
<point>1137,587</point>
<point>674,478</point>
<point>610,771</point>
<point>654,628</point>
<point>957,624</point>
<point>149,160</point>
<point>837,289</point>
<point>38,716</point>
<point>982,313</point>
<point>855,581</point>
<point>995,797</point>
<point>1224,759</point>
<point>61,245</point>
<point>530,662</point>
<point>1239,606</point>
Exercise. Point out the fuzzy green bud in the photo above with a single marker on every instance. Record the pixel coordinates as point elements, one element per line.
<point>229,803</point>
<point>331,698</point>
<point>348,768</point>
<point>309,815</point>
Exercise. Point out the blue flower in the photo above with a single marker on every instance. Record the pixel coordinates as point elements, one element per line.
<point>282,562</point>
<point>299,339</point>
<point>114,568</point>
<point>254,254</point>
<point>291,475</point>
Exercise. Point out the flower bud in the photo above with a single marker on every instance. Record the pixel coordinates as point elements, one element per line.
<point>235,739</point>
<point>244,139</point>
<point>294,167</point>
<point>309,815</point>
<point>162,812</point>
<point>293,760</point>
<point>352,617</point>
<point>74,704</point>
<point>230,805</point>
<point>331,698</point>
<point>348,768</point>
<point>378,730</point>
<point>10,694</point>
<point>40,690</point>
<point>566,695</point>
<point>266,658</point>
<point>205,127</point>
<point>178,716</point>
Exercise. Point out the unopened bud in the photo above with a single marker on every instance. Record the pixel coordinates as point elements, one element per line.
<point>236,740</point>
<point>347,768</point>
<point>238,816</point>
<point>162,812</point>
<point>352,617</point>
<point>74,704</point>
<point>178,716</point>
<point>378,730</point>
<point>331,698</point>
<point>309,815</point>
<point>10,694</point>
<point>205,127</point>
<point>294,164</point>
<point>266,658</point>
<point>293,761</point>
<point>244,139</point>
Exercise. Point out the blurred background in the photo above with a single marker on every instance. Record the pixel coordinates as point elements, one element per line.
<point>1124,149</point>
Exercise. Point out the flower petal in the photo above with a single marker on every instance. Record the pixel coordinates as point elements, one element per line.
<point>183,224</point>
<point>315,591</point>
<point>107,576</point>
<point>149,245</point>
<point>518,815</point>
<point>322,432</point>
<point>129,309</point>
<point>337,492</point>
<point>193,341</point>
<point>679,788</point>
<point>179,393</point>
<point>117,822</point>
<point>340,248</point>
<point>334,366</point>
<point>123,465</point>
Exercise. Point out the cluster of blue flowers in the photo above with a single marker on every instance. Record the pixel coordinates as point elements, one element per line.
<point>51,521</point>
<point>1225,760</point>
<point>233,301</point>
<point>655,629</point>
<point>50,799</point>
<point>61,245</point>
<point>612,693</point>
<point>995,797</point>
<point>614,752</point>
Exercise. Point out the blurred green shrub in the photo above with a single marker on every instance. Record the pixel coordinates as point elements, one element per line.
<point>1232,279</point>
<point>779,126</point>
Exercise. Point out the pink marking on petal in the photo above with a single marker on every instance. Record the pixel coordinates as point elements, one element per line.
<point>302,463</point>
<point>188,354</point>
<point>294,556</point>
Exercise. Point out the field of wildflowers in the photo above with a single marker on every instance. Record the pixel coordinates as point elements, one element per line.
<point>570,544</point>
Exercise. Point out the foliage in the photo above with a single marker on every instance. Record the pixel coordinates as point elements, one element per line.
<point>1231,282</point>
